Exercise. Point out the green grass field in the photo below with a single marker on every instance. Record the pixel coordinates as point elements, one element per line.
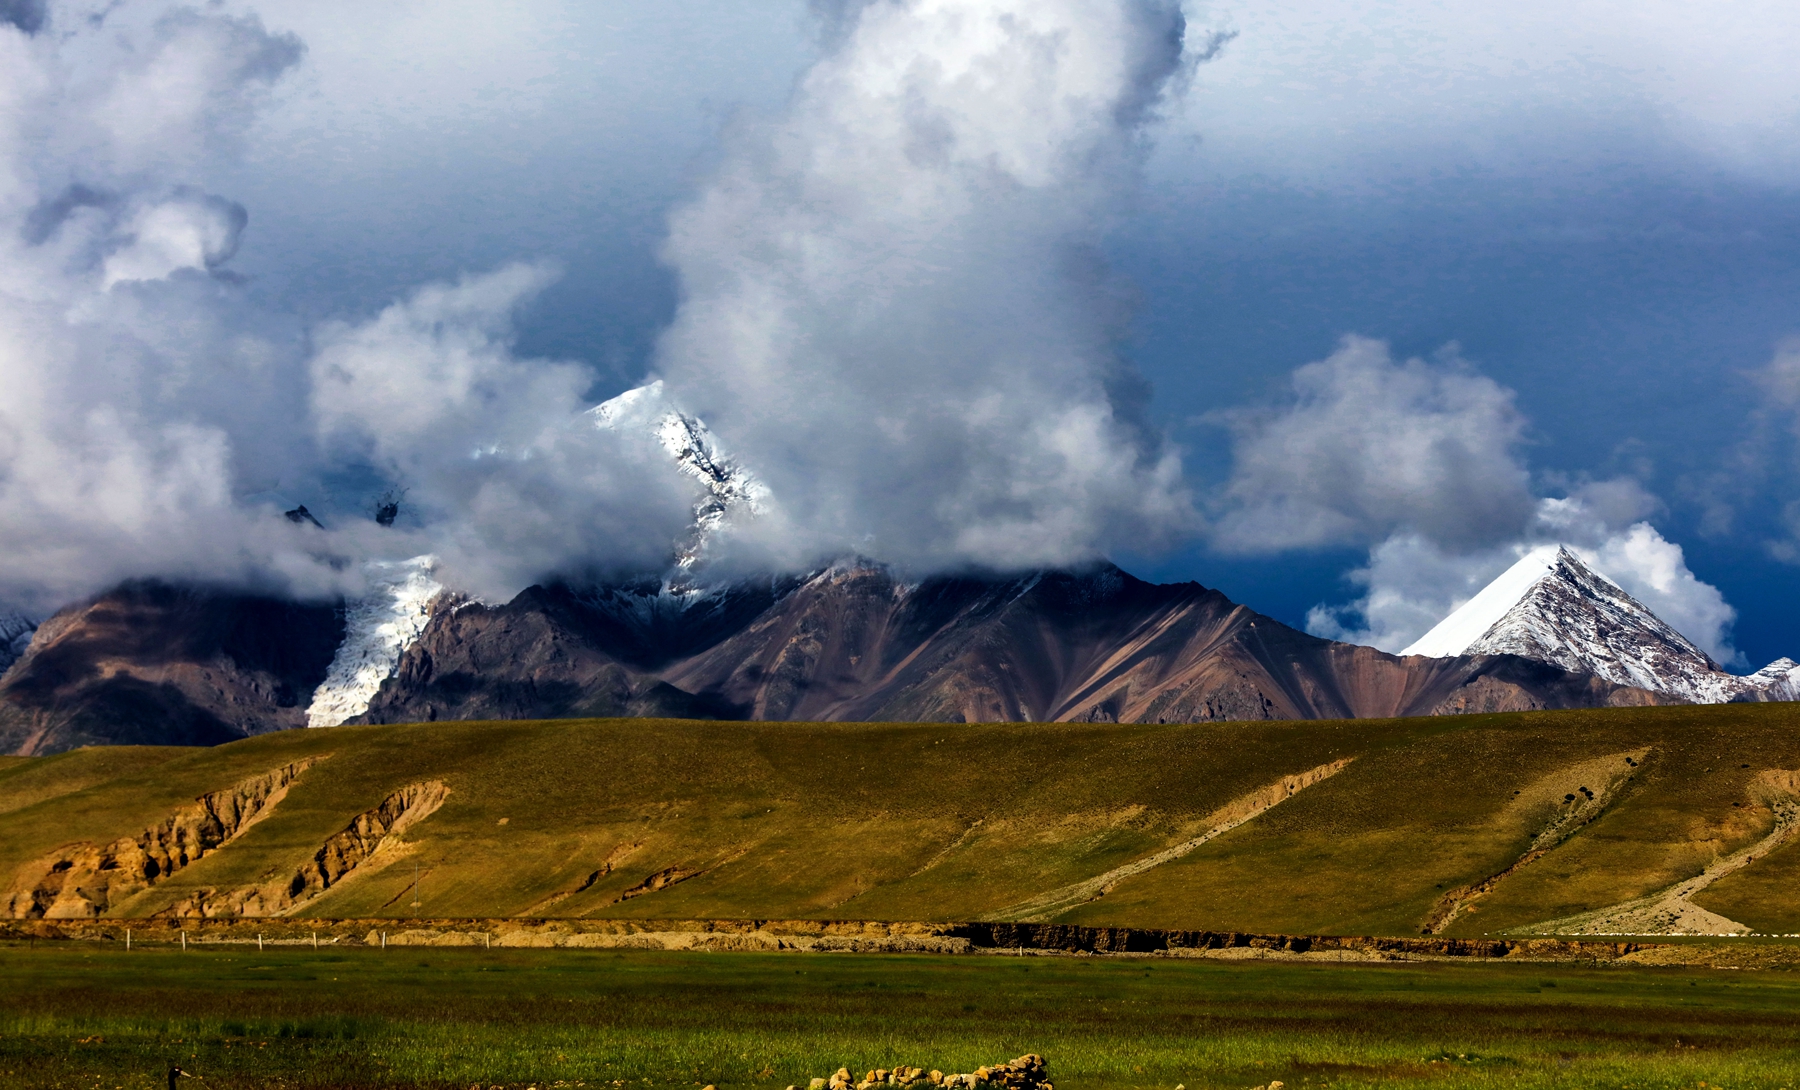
<point>667,820</point>
<point>968,821</point>
<point>85,1017</point>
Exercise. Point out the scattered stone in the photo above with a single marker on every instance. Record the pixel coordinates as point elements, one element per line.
<point>1028,1072</point>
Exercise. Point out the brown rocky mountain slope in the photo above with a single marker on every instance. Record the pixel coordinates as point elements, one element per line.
<point>855,643</point>
<point>149,663</point>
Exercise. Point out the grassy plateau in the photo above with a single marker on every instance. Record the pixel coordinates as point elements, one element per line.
<point>1558,813</point>
<point>1649,821</point>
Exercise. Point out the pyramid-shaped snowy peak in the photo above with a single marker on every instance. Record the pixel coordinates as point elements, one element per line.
<point>1553,608</point>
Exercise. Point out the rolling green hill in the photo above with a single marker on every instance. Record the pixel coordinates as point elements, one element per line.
<point>1643,820</point>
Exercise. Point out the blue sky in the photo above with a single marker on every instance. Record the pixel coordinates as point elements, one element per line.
<point>1594,203</point>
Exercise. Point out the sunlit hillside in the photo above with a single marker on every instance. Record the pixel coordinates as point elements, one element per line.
<point>1650,820</point>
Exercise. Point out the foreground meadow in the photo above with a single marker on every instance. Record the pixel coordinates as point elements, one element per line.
<point>93,1016</point>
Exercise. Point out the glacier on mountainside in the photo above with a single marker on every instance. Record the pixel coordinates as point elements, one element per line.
<point>378,628</point>
<point>1552,607</point>
<point>729,486</point>
<point>16,630</point>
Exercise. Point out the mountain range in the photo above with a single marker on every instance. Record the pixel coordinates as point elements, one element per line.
<point>151,662</point>
<point>154,663</point>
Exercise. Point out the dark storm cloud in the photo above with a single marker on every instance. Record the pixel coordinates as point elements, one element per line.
<point>27,15</point>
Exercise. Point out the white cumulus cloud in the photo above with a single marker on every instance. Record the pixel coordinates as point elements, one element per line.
<point>1411,582</point>
<point>1421,462</point>
<point>513,480</point>
<point>1370,446</point>
<point>892,304</point>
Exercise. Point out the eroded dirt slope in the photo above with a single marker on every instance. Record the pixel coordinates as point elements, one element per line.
<point>1461,827</point>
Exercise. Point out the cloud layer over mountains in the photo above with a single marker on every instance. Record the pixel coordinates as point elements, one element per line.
<point>153,422</point>
<point>1423,463</point>
<point>894,309</point>
<point>130,392</point>
<point>894,305</point>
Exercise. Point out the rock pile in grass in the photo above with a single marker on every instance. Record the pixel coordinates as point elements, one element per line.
<point>1028,1072</point>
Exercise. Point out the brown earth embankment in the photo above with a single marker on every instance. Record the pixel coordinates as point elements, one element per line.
<point>852,936</point>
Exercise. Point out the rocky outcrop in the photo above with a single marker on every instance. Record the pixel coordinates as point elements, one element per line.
<point>80,881</point>
<point>659,881</point>
<point>150,663</point>
<point>369,842</point>
<point>364,839</point>
<point>1028,1072</point>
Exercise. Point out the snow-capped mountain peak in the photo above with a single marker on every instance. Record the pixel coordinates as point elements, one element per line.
<point>697,453</point>
<point>1471,621</point>
<point>1553,607</point>
<point>404,595</point>
<point>1779,680</point>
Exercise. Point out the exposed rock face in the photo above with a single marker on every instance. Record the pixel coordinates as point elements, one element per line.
<point>153,664</point>
<point>82,881</point>
<point>371,841</point>
<point>853,643</point>
<point>1581,620</point>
